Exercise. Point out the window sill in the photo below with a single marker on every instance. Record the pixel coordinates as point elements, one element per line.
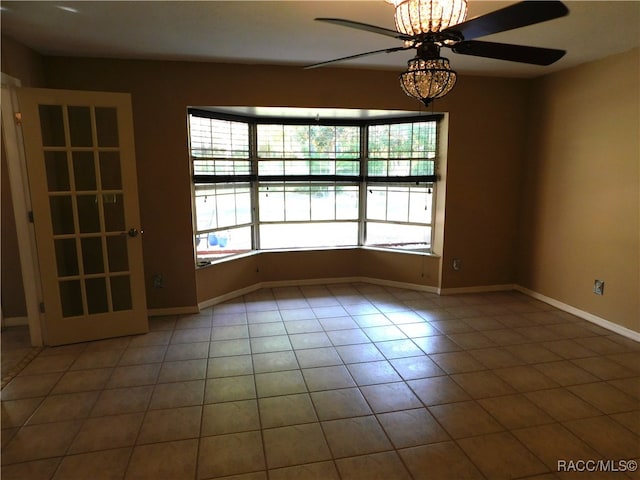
<point>238,256</point>
<point>400,250</point>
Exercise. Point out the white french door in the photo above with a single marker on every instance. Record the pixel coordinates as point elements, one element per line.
<point>82,178</point>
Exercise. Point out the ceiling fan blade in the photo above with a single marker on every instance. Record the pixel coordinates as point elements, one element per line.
<point>512,53</point>
<point>366,27</point>
<point>514,16</point>
<point>351,57</point>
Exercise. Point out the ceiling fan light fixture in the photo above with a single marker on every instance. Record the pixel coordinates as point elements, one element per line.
<point>426,79</point>
<point>414,17</point>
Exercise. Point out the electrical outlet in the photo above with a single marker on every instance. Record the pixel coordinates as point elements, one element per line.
<point>158,281</point>
<point>598,287</point>
<point>457,264</point>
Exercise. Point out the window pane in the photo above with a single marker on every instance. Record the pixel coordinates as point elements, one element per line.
<point>88,214</point>
<point>271,141</point>
<point>61,214</point>
<point>393,235</point>
<point>322,141</point>
<point>222,243</point>
<point>308,141</point>
<point>219,147</point>
<point>323,202</point>
<point>420,204</point>
<point>308,201</point>
<point>323,167</point>
<point>271,201</point>
<point>308,167</point>
<point>402,149</point>
<point>107,126</point>
<point>71,298</point>
<point>376,203</point>
<point>297,203</point>
<point>97,301</point>
<point>400,203</point>
<point>110,175</point>
<point>113,205</point>
<point>299,235</point>
<point>52,125</point>
<point>399,168</point>
<point>84,171</point>
<point>121,293</point>
<point>66,257</point>
<point>80,126</point>
<point>57,171</point>
<point>222,205</point>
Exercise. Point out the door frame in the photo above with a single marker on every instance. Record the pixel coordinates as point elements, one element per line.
<point>21,199</point>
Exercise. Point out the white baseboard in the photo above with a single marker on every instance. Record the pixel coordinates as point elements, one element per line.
<point>395,284</point>
<point>229,296</point>
<point>590,317</point>
<point>274,284</point>
<point>161,312</point>
<point>614,327</point>
<point>478,289</point>
<point>14,321</point>
<point>310,281</point>
<point>314,281</point>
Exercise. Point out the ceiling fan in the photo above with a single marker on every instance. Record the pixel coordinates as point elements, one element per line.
<point>429,25</point>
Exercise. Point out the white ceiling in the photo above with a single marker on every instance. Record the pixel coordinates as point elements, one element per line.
<point>284,32</point>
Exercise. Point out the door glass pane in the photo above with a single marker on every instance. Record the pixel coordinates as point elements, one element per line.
<point>71,298</point>
<point>80,126</point>
<point>57,171</point>
<point>66,257</point>
<point>110,171</point>
<point>61,214</point>
<point>107,126</point>
<point>92,258</point>
<point>88,216</point>
<point>96,295</point>
<point>121,293</point>
<point>118,256</point>
<point>113,212</point>
<point>51,125</point>
<point>84,171</point>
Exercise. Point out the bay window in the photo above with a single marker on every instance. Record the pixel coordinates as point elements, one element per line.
<point>261,184</point>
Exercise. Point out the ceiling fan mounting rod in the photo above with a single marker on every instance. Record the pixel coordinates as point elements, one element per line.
<point>446,37</point>
<point>428,51</point>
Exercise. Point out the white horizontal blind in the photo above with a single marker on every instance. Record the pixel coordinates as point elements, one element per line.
<point>219,147</point>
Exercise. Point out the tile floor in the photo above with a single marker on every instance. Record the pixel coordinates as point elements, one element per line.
<point>16,351</point>
<point>348,381</point>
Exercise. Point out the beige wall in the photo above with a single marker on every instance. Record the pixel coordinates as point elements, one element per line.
<point>21,62</point>
<point>581,208</point>
<point>486,143</point>
<point>488,116</point>
<point>220,279</point>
